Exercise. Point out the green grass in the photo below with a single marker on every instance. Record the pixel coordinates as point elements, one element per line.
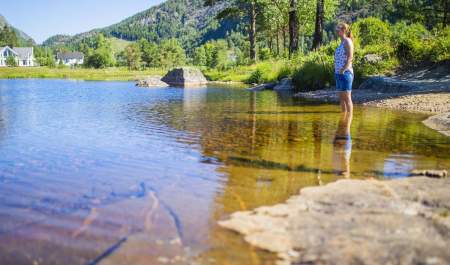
<point>109,74</point>
<point>269,69</point>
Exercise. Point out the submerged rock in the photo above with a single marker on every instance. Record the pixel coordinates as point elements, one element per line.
<point>284,84</point>
<point>440,123</point>
<point>185,77</point>
<point>263,87</point>
<point>153,81</point>
<point>355,222</point>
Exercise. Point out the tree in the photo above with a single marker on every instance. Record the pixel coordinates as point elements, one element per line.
<point>244,10</point>
<point>293,27</point>
<point>199,56</point>
<point>8,37</point>
<point>149,53</point>
<point>171,54</point>
<point>101,55</point>
<point>11,61</point>
<point>44,56</point>
<point>318,32</point>
<point>133,56</point>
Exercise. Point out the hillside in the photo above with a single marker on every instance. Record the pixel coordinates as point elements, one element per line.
<point>187,20</point>
<point>24,39</point>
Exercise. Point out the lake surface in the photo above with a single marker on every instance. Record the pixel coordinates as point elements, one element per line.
<point>107,173</point>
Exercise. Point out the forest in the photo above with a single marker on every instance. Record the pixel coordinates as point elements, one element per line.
<point>257,41</point>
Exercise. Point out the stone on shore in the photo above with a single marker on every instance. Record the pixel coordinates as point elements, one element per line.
<point>185,77</point>
<point>372,58</point>
<point>153,81</point>
<point>355,222</point>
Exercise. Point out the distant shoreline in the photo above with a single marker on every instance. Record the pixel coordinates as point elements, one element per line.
<point>107,74</point>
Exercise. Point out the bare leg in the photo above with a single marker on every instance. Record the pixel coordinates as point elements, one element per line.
<point>342,101</point>
<point>348,101</point>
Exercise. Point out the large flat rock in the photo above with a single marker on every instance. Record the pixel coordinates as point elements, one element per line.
<point>355,222</point>
<point>185,77</point>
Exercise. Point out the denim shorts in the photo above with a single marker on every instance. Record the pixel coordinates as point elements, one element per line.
<point>344,82</point>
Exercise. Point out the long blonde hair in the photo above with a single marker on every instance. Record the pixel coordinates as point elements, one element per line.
<point>347,30</point>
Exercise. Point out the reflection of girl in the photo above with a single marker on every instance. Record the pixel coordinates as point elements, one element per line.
<point>343,145</point>
<point>343,64</point>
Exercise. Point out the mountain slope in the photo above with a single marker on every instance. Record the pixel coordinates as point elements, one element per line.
<point>24,39</point>
<point>187,20</point>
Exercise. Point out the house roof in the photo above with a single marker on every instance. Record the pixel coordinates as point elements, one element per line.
<point>7,47</point>
<point>23,52</point>
<point>70,55</point>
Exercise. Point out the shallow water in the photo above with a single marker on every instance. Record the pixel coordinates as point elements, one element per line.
<point>107,173</point>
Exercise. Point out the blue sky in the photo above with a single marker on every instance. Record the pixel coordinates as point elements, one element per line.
<point>43,18</point>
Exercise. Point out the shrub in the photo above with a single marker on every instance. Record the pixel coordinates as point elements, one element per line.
<point>363,68</point>
<point>315,73</point>
<point>265,54</point>
<point>11,61</point>
<point>284,72</point>
<point>412,42</point>
<point>440,48</point>
<point>370,31</point>
<point>256,77</point>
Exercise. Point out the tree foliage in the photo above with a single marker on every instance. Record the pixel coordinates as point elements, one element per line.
<point>8,37</point>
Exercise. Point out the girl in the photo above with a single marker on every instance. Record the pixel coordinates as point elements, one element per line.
<point>343,64</point>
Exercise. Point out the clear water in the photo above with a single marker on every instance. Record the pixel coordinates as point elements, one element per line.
<point>107,173</point>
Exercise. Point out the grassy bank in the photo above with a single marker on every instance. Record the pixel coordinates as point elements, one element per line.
<point>109,74</point>
<point>261,72</point>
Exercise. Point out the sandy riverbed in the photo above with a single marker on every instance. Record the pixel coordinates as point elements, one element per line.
<point>425,91</point>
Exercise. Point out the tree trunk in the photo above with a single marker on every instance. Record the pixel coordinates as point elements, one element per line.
<point>278,41</point>
<point>445,21</point>
<point>318,32</point>
<point>284,40</point>
<point>252,33</point>
<point>293,28</point>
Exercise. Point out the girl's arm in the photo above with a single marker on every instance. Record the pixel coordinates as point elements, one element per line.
<point>348,45</point>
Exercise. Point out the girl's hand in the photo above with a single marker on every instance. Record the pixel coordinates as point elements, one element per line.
<point>342,71</point>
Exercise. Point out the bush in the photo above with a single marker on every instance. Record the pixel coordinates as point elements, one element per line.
<point>284,72</point>
<point>315,73</point>
<point>412,42</point>
<point>370,31</point>
<point>265,54</point>
<point>256,77</point>
<point>440,48</point>
<point>11,61</point>
<point>364,69</point>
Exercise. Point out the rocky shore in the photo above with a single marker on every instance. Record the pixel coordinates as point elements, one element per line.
<point>355,222</point>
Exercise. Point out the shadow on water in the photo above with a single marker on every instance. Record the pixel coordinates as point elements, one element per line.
<point>104,173</point>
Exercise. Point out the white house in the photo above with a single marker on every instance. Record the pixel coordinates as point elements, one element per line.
<point>70,58</point>
<point>24,56</point>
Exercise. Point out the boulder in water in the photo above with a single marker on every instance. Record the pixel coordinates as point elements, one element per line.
<point>185,77</point>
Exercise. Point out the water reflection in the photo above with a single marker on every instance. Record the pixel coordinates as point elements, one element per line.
<point>342,145</point>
